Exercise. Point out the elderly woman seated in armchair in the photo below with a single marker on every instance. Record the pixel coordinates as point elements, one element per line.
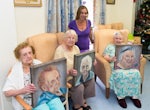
<point>124,81</point>
<point>18,81</point>
<point>79,93</point>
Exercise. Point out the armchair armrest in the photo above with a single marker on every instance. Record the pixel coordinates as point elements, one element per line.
<point>103,69</point>
<point>23,103</point>
<point>142,65</point>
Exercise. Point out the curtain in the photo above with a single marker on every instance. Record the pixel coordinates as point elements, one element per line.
<point>60,13</point>
<point>137,7</point>
<point>99,11</point>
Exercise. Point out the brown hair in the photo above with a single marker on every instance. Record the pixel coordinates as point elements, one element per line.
<point>79,11</point>
<point>21,46</point>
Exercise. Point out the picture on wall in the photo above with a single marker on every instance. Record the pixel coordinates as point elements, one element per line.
<point>36,3</point>
<point>83,63</point>
<point>128,56</point>
<point>49,77</point>
<point>110,1</point>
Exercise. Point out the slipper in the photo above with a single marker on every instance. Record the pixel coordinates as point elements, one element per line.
<point>136,102</point>
<point>87,107</point>
<point>77,108</point>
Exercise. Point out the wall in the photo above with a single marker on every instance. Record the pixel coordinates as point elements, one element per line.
<point>8,41</point>
<point>122,11</point>
<point>30,21</point>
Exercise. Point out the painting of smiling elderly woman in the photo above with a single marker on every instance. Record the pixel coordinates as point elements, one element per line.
<point>128,56</point>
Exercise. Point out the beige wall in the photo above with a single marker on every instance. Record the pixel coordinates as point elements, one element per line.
<point>8,42</point>
<point>122,11</point>
<point>30,21</point>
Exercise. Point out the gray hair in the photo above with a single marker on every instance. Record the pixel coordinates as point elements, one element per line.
<point>117,34</point>
<point>88,60</point>
<point>71,32</point>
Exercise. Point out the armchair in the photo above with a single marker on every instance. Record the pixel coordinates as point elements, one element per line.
<point>117,26</point>
<point>45,45</point>
<point>102,69</point>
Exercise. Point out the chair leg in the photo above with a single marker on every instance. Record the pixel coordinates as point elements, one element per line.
<point>95,77</point>
<point>67,105</point>
<point>141,88</point>
<point>107,92</point>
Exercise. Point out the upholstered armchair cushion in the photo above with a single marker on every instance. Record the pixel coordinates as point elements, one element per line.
<point>106,26</point>
<point>60,36</point>
<point>105,36</point>
<point>117,26</point>
<point>45,45</point>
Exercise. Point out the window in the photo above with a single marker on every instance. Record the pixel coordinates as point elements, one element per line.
<point>89,5</point>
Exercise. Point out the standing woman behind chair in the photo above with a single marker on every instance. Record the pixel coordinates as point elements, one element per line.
<point>82,26</point>
<point>18,81</point>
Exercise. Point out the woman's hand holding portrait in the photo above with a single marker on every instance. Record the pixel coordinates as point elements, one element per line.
<point>30,88</point>
<point>72,72</point>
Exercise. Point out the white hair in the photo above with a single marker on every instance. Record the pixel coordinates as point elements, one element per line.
<point>71,32</point>
<point>88,60</point>
<point>116,34</point>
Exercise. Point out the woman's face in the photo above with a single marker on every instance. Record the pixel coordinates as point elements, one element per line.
<point>118,40</point>
<point>84,68</point>
<point>83,14</point>
<point>128,58</point>
<point>26,56</point>
<point>52,81</point>
<point>70,40</point>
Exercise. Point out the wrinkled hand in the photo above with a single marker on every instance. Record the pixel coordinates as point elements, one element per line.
<point>30,88</point>
<point>113,59</point>
<point>73,72</point>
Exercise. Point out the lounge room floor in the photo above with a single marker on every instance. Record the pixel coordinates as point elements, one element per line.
<point>99,102</point>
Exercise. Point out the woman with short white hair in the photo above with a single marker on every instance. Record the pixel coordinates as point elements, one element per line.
<point>79,93</point>
<point>124,82</point>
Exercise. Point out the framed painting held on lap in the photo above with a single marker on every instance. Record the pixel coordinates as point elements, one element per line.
<point>83,63</point>
<point>32,3</point>
<point>50,76</point>
<point>128,56</point>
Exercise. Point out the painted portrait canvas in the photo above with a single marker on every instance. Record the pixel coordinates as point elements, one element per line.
<point>128,56</point>
<point>49,77</point>
<point>83,63</point>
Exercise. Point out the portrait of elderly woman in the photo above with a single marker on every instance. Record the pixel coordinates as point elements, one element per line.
<point>50,81</point>
<point>128,56</point>
<point>85,69</point>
